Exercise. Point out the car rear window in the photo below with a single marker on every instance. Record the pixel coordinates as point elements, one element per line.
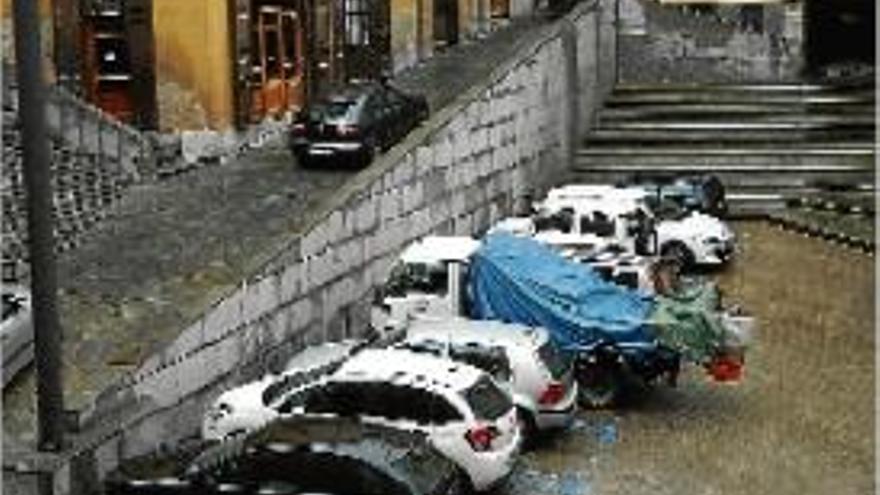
<point>557,362</point>
<point>332,110</point>
<point>487,400</point>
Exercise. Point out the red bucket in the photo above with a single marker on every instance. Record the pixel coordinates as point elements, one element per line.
<point>726,369</point>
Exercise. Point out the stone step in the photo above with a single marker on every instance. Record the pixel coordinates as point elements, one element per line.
<point>778,157</point>
<point>736,111</point>
<point>757,88</point>
<point>751,202</point>
<point>777,123</point>
<point>732,176</point>
<point>734,136</point>
<point>737,98</point>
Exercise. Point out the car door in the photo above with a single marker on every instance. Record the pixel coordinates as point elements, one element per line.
<point>444,424</point>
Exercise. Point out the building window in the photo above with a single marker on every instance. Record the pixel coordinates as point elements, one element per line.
<point>357,22</point>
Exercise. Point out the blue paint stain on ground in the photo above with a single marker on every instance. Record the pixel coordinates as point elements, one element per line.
<point>533,482</point>
<point>602,430</point>
<point>573,484</point>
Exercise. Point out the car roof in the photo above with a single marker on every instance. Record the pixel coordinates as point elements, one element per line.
<point>351,91</point>
<point>616,203</point>
<point>434,249</point>
<point>390,449</point>
<point>321,355</point>
<point>404,367</point>
<point>488,332</point>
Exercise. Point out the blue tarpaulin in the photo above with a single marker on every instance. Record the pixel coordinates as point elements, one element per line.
<point>519,280</point>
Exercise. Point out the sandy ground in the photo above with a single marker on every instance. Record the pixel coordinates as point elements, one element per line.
<point>802,421</point>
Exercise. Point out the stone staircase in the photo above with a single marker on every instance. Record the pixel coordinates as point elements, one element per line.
<point>766,142</point>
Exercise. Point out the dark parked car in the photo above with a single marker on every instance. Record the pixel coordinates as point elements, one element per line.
<point>703,193</point>
<point>355,123</point>
<point>298,456</point>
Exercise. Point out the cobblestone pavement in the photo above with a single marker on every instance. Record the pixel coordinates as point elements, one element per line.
<point>802,421</point>
<point>173,248</point>
<point>452,71</point>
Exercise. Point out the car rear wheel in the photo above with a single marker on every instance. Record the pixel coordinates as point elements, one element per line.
<point>372,151</point>
<point>599,385</point>
<point>303,160</point>
<point>679,252</point>
<point>527,428</point>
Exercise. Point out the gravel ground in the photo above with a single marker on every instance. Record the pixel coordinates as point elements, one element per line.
<point>802,421</point>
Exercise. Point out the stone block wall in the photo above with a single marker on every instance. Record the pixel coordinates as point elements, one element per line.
<point>710,43</point>
<point>94,160</point>
<point>471,164</point>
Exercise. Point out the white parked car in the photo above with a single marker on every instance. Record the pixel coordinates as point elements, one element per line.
<point>254,404</point>
<point>594,217</point>
<point>464,413</point>
<point>16,330</point>
<point>540,378</point>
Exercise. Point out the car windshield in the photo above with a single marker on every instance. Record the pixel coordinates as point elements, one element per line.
<point>316,472</point>
<point>557,220</point>
<point>285,386</point>
<point>417,277</point>
<point>487,400</point>
<point>557,362</point>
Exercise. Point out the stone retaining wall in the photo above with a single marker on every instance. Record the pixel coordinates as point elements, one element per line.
<point>690,44</point>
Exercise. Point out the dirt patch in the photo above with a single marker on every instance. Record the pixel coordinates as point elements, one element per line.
<point>802,421</point>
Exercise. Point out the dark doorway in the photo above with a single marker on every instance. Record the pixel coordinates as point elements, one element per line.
<point>500,9</point>
<point>366,38</point>
<point>839,32</point>
<point>445,22</point>
<point>277,74</point>
<point>117,60</point>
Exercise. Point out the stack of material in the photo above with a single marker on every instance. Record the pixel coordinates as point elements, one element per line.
<point>519,280</point>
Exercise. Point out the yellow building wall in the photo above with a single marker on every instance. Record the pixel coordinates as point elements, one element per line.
<point>466,15</point>
<point>194,73</point>
<point>46,35</point>
<point>426,18</point>
<point>404,31</point>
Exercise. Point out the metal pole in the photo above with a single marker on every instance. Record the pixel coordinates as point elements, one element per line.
<point>37,175</point>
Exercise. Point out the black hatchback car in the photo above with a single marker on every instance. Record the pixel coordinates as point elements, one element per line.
<point>355,123</point>
<point>298,456</point>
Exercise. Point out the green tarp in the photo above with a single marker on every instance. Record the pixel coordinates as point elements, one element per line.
<point>689,321</point>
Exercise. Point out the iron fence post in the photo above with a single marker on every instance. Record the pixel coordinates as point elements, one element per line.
<point>41,240</point>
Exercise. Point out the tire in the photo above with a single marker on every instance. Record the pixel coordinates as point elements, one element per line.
<point>598,386</point>
<point>372,151</point>
<point>302,160</point>
<point>459,486</point>
<point>465,486</point>
<point>527,428</point>
<point>678,251</point>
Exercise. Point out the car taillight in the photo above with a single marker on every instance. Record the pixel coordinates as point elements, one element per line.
<point>552,394</point>
<point>347,130</point>
<point>481,437</point>
<point>298,129</point>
